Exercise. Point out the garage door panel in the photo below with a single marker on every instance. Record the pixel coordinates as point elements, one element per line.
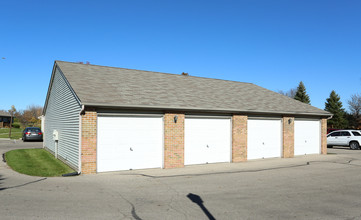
<point>207,140</point>
<point>129,143</point>
<point>264,138</point>
<point>307,137</point>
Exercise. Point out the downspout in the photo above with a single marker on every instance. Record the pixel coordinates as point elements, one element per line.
<point>80,137</point>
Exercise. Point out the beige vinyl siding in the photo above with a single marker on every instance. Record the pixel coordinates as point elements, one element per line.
<point>62,114</point>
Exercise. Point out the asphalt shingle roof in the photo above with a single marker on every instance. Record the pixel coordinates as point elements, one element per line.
<point>119,87</point>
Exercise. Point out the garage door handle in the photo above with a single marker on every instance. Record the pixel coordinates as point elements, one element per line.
<point>207,146</point>
<point>131,149</point>
<point>263,143</point>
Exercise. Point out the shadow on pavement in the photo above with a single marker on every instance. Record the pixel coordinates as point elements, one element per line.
<point>198,200</point>
<point>1,180</point>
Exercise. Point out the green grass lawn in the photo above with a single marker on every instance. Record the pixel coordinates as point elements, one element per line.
<point>36,162</point>
<point>15,133</point>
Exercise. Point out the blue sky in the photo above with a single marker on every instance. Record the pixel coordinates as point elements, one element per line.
<point>274,44</point>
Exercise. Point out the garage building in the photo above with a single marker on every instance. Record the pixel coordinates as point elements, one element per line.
<point>99,119</point>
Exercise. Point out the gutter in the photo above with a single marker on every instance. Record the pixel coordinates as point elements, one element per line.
<point>230,111</point>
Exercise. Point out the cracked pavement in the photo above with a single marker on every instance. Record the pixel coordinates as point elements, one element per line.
<point>306,187</point>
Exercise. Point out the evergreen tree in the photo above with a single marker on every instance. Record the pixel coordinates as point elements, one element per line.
<point>351,121</point>
<point>301,94</point>
<point>334,106</point>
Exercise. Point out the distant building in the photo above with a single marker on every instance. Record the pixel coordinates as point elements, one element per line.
<point>5,118</point>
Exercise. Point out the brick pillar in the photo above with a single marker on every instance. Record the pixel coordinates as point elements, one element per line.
<point>173,141</point>
<point>288,137</point>
<point>239,138</point>
<point>324,136</point>
<point>89,142</point>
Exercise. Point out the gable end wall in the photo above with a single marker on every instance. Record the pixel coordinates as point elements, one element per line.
<point>62,114</point>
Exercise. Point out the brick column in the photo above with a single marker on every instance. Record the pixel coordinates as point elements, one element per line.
<point>324,136</point>
<point>239,138</point>
<point>89,142</point>
<point>173,141</point>
<point>288,137</point>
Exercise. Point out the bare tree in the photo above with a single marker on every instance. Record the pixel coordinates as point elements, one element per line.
<point>355,107</point>
<point>290,93</point>
<point>30,116</point>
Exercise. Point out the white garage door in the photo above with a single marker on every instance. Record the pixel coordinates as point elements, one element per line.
<point>307,137</point>
<point>207,140</point>
<point>264,138</point>
<point>129,143</point>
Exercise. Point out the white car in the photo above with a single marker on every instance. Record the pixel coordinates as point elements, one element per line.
<point>351,138</point>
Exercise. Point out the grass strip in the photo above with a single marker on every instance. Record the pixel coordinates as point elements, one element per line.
<point>16,133</point>
<point>36,162</point>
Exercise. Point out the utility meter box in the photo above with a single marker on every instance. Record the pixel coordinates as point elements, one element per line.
<point>55,135</point>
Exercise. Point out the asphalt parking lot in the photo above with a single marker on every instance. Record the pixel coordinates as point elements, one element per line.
<point>306,187</point>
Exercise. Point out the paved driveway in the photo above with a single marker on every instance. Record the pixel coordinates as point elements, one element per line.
<point>307,187</point>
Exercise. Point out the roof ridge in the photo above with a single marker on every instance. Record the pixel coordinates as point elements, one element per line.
<point>173,74</point>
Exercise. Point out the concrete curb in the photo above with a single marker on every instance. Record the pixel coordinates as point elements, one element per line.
<point>252,166</point>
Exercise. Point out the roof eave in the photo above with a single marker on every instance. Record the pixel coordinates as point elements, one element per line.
<point>184,109</point>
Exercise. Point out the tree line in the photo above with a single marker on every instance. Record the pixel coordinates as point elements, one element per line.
<point>341,118</point>
<point>26,118</point>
